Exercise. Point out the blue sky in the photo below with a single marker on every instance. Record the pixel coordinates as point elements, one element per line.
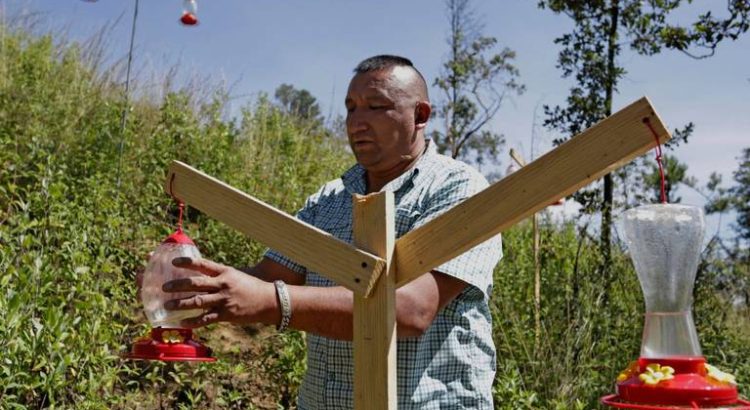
<point>258,44</point>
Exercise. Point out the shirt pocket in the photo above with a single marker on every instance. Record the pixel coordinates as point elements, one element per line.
<point>405,220</point>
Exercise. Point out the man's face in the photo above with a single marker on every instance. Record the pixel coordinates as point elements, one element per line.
<point>380,119</point>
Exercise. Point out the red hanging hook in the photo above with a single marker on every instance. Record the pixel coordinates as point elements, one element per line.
<point>647,121</point>
<point>181,204</point>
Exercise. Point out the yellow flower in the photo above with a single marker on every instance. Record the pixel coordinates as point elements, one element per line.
<point>172,336</point>
<point>656,373</point>
<point>629,372</point>
<point>719,376</point>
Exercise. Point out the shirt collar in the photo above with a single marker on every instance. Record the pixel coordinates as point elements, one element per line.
<point>355,181</point>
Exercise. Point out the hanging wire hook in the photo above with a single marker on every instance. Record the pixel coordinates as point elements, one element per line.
<point>125,109</point>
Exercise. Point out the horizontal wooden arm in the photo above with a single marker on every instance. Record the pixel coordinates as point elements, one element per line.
<point>305,244</point>
<point>601,149</point>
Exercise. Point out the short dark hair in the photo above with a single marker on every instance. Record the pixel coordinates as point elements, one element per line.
<point>384,61</point>
<point>381,62</point>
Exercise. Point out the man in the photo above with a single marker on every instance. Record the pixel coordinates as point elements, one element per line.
<point>446,357</point>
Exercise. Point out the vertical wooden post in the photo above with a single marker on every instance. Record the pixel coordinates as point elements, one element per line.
<point>375,316</point>
<point>537,267</point>
<point>537,286</point>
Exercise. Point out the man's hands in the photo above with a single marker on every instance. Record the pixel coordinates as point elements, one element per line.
<point>238,297</point>
<point>233,296</point>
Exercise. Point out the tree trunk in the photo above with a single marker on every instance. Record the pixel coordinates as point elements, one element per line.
<point>606,228</point>
<point>606,240</point>
<point>456,10</point>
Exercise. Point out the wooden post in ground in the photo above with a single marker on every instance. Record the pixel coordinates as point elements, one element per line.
<point>537,266</point>
<point>375,316</point>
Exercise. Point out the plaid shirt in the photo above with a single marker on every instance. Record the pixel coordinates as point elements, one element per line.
<point>452,365</point>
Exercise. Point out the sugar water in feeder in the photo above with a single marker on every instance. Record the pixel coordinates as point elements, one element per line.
<point>664,243</point>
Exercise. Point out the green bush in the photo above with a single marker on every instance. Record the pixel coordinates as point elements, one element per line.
<point>71,239</point>
<point>592,320</point>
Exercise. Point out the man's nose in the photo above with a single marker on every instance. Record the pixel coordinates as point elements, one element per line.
<point>355,123</point>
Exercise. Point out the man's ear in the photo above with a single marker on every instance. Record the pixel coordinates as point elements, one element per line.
<point>422,114</point>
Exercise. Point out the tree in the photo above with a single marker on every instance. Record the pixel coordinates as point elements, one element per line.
<point>474,83</point>
<point>298,103</point>
<point>674,173</point>
<point>740,197</point>
<point>590,54</point>
<point>734,262</point>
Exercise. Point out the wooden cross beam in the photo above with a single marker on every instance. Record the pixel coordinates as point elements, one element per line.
<point>309,246</point>
<point>373,271</point>
<point>601,149</point>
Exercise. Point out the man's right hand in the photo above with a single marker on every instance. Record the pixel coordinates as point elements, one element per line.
<point>228,295</point>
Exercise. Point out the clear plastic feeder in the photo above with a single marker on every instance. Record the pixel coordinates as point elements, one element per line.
<point>159,271</point>
<point>168,341</point>
<point>665,242</point>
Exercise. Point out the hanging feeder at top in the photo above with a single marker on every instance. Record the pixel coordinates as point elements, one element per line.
<point>665,241</point>
<point>168,341</point>
<point>189,12</point>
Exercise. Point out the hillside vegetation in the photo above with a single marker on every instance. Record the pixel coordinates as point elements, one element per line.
<point>72,238</point>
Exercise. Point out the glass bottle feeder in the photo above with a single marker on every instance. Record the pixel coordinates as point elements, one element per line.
<point>167,340</point>
<point>665,242</point>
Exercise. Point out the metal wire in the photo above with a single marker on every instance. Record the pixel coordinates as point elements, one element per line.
<point>125,108</point>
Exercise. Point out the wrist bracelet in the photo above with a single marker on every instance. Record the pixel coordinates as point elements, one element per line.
<point>286,305</point>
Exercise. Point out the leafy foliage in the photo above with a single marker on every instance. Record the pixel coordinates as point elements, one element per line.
<point>474,83</point>
<point>736,198</point>
<point>590,333</point>
<point>70,241</point>
<point>741,196</point>
<point>590,54</point>
<point>299,103</point>
<point>674,173</point>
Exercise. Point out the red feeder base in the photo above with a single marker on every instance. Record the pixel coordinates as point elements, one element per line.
<point>613,401</point>
<point>170,345</point>
<point>689,389</point>
<point>189,19</point>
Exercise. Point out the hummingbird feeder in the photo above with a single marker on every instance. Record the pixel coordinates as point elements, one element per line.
<point>665,242</point>
<point>168,341</point>
<point>189,12</point>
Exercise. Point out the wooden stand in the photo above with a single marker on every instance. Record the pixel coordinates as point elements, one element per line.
<point>371,269</point>
<point>375,316</point>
